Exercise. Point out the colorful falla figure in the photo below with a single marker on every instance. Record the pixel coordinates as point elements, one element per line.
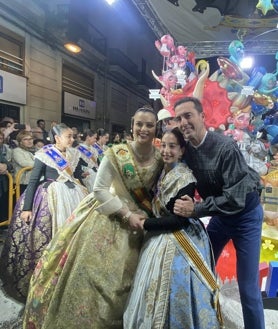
<point>236,51</point>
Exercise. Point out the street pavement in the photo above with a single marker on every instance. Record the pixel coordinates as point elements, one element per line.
<point>10,310</point>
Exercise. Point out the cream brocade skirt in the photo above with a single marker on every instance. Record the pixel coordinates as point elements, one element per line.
<point>85,274</point>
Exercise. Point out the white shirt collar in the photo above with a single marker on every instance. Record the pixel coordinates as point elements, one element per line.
<point>202,142</point>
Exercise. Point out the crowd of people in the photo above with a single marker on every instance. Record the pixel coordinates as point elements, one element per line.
<point>20,142</point>
<point>111,237</point>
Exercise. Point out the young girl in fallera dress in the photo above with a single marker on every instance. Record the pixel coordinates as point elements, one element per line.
<point>171,290</point>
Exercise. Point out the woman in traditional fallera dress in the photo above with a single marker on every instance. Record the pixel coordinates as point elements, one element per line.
<point>89,156</point>
<point>100,144</point>
<point>53,192</point>
<point>85,274</point>
<point>169,289</point>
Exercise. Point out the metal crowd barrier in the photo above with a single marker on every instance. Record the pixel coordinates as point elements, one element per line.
<point>10,199</point>
<point>17,180</point>
<point>14,189</point>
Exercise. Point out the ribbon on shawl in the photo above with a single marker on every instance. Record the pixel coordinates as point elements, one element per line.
<point>131,177</point>
<point>86,152</point>
<point>197,260</point>
<point>55,155</point>
<point>100,151</point>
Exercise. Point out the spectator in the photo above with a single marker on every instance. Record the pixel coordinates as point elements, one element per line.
<point>5,166</point>
<point>11,129</point>
<point>38,144</point>
<point>23,156</point>
<point>165,120</point>
<point>9,119</point>
<point>6,127</point>
<point>39,132</point>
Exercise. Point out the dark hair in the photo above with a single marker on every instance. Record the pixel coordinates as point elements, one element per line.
<point>38,140</point>
<point>177,133</point>
<point>101,132</point>
<point>40,120</point>
<point>57,130</point>
<point>3,124</point>
<point>144,109</point>
<point>115,134</point>
<point>197,104</point>
<point>86,133</point>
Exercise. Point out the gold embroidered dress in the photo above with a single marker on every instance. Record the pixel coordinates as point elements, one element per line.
<point>84,276</point>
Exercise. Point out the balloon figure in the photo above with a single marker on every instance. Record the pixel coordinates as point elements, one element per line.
<point>228,95</point>
<point>264,6</point>
<point>236,51</point>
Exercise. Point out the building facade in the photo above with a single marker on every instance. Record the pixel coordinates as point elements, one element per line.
<point>102,86</point>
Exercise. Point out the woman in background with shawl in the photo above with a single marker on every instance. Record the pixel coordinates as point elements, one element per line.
<point>89,156</point>
<point>101,143</point>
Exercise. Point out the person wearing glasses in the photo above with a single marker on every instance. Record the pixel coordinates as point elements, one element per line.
<point>23,156</point>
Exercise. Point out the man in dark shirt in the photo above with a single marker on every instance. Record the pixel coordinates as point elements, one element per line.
<point>229,189</point>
